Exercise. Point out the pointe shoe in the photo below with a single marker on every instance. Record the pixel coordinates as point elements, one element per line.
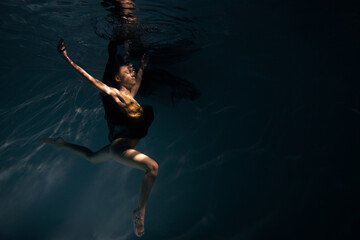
<point>138,221</point>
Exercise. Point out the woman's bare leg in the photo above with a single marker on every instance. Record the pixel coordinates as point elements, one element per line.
<point>94,157</point>
<point>119,152</point>
<point>133,158</point>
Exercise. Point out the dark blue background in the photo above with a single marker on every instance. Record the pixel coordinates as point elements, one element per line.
<point>269,151</point>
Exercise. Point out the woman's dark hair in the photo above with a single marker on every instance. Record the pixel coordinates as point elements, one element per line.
<point>112,66</point>
<point>111,70</point>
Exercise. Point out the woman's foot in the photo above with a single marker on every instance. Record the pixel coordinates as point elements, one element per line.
<point>57,142</point>
<point>138,220</point>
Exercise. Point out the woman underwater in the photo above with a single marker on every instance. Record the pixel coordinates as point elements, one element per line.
<point>128,122</point>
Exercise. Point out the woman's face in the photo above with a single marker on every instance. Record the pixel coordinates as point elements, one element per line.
<point>126,76</point>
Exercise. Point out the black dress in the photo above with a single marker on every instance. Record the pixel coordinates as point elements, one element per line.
<point>121,125</point>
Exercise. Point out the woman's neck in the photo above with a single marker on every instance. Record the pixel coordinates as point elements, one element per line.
<point>124,90</point>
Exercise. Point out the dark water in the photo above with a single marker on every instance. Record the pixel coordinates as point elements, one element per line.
<point>270,149</point>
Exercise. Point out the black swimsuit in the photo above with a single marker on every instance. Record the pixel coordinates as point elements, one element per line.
<point>123,126</point>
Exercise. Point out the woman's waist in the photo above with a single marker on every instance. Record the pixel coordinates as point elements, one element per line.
<point>125,142</point>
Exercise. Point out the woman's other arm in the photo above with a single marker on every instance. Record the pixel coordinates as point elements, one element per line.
<point>139,74</point>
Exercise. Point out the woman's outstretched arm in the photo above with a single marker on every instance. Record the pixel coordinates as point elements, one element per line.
<point>93,81</point>
<point>139,74</point>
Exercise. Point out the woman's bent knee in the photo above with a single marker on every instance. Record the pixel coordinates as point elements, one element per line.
<point>153,168</point>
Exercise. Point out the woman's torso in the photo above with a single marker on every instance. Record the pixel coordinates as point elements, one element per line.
<point>131,121</point>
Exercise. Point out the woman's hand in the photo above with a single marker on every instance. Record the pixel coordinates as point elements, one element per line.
<point>61,48</point>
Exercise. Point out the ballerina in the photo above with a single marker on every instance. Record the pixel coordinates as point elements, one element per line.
<point>127,120</point>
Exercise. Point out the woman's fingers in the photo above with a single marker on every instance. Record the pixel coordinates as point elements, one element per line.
<point>61,46</point>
